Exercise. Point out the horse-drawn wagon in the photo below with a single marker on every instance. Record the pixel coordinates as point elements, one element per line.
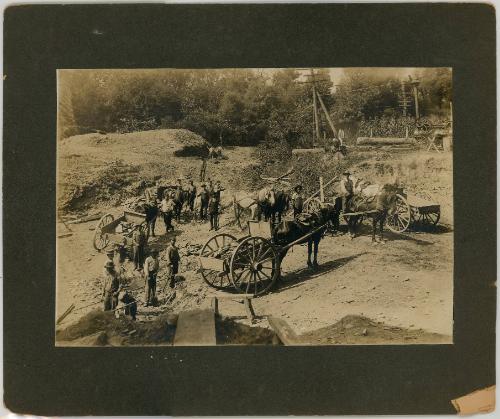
<point>113,230</point>
<point>251,264</point>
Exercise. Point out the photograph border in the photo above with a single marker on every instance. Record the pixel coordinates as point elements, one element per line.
<point>42,379</point>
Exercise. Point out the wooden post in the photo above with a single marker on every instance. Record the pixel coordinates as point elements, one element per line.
<point>249,309</point>
<point>215,305</point>
<point>327,116</point>
<point>315,110</point>
<point>321,190</point>
<point>415,94</point>
<point>406,132</point>
<point>371,132</point>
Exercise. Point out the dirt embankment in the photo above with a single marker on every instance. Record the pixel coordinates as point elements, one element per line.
<point>103,170</point>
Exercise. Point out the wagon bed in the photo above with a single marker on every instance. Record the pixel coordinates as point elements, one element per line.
<point>106,229</point>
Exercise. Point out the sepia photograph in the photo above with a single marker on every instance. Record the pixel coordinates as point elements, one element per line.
<point>254,206</point>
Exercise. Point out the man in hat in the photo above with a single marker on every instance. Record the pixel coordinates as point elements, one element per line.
<point>173,260</point>
<point>346,189</point>
<point>111,286</point>
<point>151,266</point>
<point>138,243</point>
<point>204,197</point>
<point>167,209</point>
<point>297,201</point>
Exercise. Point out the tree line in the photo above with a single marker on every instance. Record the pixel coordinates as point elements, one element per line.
<point>236,106</point>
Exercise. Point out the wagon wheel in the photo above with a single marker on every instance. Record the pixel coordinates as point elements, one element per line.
<point>427,220</point>
<point>313,206</point>
<point>399,221</point>
<point>101,240</point>
<point>254,266</point>
<point>220,247</point>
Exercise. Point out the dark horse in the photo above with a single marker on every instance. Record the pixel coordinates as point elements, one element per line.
<point>151,212</point>
<point>377,208</point>
<point>287,232</point>
<point>272,204</point>
<point>180,198</point>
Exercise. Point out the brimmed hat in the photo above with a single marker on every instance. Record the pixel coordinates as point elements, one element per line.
<point>346,174</point>
<point>109,264</point>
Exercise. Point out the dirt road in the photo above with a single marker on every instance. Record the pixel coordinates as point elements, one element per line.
<point>406,282</point>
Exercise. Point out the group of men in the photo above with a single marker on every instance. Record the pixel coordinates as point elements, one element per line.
<point>215,152</point>
<point>113,280</point>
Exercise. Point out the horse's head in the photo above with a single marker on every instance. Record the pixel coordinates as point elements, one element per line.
<point>267,197</point>
<point>327,212</point>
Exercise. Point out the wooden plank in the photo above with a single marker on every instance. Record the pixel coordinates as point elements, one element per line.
<point>195,328</point>
<point>284,332</point>
<point>212,263</point>
<point>384,140</point>
<point>228,296</point>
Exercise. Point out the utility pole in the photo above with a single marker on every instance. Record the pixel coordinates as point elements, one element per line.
<point>404,99</point>
<point>414,84</point>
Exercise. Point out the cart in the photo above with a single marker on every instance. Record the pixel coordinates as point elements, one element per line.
<point>113,230</point>
<point>413,212</point>
<point>250,264</point>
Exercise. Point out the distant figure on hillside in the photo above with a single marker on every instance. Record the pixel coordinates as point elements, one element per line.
<point>218,152</point>
<point>138,242</point>
<point>173,260</point>
<point>204,195</point>
<point>211,152</point>
<point>167,209</point>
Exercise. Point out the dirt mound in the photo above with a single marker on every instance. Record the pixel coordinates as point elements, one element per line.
<point>351,330</point>
<point>99,328</point>
<point>229,332</point>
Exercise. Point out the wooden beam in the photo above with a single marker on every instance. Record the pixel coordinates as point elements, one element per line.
<point>327,115</point>
<point>284,332</point>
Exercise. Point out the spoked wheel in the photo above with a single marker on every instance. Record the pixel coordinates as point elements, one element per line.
<point>219,247</point>
<point>426,219</point>
<point>399,221</point>
<point>254,266</point>
<point>313,206</point>
<point>101,240</point>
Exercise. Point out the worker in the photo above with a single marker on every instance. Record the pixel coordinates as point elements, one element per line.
<point>110,254</point>
<point>191,195</point>
<point>211,152</point>
<point>204,198</point>
<point>138,243</point>
<point>346,189</point>
<point>216,191</point>
<point>151,266</point>
<point>167,207</point>
<point>151,194</point>
<point>173,259</point>
<point>213,211</point>
<point>297,201</point>
<point>111,287</point>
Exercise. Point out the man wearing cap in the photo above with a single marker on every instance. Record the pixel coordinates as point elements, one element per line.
<point>151,266</point>
<point>346,189</point>
<point>138,243</point>
<point>111,286</point>
<point>297,201</point>
<point>173,259</point>
<point>167,209</point>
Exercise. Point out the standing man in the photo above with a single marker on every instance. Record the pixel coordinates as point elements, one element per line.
<point>167,209</point>
<point>346,189</point>
<point>213,209</point>
<point>204,197</point>
<point>173,259</point>
<point>151,266</point>
<point>138,243</point>
<point>111,286</point>
<point>297,201</point>
<point>191,195</point>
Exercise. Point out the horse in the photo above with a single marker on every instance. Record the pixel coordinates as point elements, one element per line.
<point>287,232</point>
<point>180,198</point>
<point>376,207</point>
<point>272,204</point>
<point>151,212</point>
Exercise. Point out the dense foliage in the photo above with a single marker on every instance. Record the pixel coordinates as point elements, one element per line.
<point>238,106</point>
